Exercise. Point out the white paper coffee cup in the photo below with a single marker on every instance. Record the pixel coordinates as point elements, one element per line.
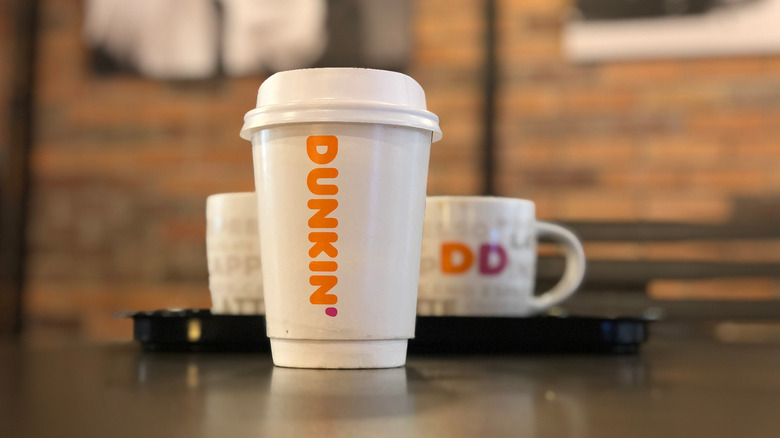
<point>341,165</point>
<point>233,251</point>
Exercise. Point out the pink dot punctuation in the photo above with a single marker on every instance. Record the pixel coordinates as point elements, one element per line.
<point>331,311</point>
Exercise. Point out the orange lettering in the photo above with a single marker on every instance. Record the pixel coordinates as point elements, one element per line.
<point>447,265</point>
<point>325,283</point>
<point>323,266</point>
<point>322,189</point>
<point>331,144</point>
<point>323,242</point>
<point>320,218</point>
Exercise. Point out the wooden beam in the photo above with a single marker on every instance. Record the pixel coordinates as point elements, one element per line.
<point>631,274</point>
<point>490,80</point>
<point>656,231</point>
<point>14,165</point>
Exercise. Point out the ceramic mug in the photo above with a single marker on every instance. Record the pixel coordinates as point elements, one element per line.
<point>479,258</point>
<point>233,251</point>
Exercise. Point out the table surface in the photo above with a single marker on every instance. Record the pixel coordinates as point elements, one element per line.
<point>684,383</point>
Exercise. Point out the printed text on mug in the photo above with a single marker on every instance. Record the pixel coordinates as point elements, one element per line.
<point>457,258</point>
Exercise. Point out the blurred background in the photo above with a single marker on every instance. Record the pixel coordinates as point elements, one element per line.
<point>650,128</point>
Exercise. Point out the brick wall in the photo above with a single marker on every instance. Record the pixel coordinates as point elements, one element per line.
<point>655,141</point>
<point>122,165</point>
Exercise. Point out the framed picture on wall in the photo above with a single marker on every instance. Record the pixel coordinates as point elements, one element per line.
<point>197,39</point>
<point>602,30</point>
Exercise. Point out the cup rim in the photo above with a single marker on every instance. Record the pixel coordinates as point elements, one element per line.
<point>234,202</point>
<point>477,199</point>
<point>231,195</point>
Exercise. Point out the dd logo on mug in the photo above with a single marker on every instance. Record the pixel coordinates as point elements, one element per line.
<point>457,258</point>
<point>479,258</point>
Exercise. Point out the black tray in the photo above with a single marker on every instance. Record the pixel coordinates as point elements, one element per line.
<point>200,330</point>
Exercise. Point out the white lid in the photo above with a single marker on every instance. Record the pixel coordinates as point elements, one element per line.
<point>351,95</point>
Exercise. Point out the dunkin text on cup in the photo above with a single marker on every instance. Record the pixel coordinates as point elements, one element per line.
<point>322,182</point>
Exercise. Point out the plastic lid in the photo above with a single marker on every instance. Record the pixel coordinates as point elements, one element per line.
<point>351,95</point>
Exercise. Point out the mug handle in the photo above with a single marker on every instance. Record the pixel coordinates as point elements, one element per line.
<point>575,266</point>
